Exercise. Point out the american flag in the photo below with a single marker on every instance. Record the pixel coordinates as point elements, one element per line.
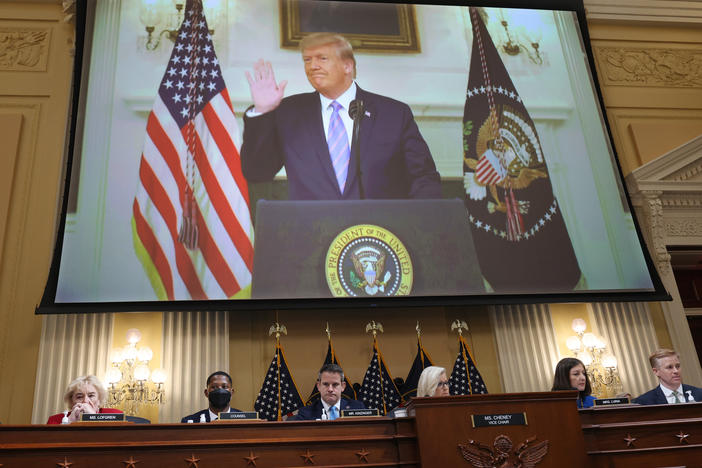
<point>378,389</point>
<point>465,378</point>
<point>279,395</point>
<point>191,221</point>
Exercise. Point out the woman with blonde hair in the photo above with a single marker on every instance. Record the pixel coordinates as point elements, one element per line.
<point>433,382</point>
<point>84,395</point>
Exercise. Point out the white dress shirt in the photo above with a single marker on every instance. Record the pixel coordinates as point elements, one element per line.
<point>214,417</point>
<point>325,407</point>
<point>345,100</point>
<point>669,394</point>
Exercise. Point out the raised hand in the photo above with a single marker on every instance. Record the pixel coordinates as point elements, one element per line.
<point>265,92</point>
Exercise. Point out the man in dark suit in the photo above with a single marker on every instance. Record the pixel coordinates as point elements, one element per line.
<point>331,385</point>
<point>665,363</point>
<point>310,133</point>
<point>218,391</point>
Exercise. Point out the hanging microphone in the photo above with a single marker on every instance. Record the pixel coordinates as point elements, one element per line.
<point>356,109</point>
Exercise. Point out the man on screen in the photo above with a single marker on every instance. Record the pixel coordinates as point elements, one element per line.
<point>218,391</point>
<point>311,133</point>
<point>665,363</point>
<point>330,385</point>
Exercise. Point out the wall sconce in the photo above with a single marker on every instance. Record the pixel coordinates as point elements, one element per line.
<point>601,366</point>
<point>515,41</point>
<point>153,12</point>
<point>128,378</point>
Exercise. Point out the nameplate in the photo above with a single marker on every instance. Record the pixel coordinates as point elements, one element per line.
<point>611,401</point>
<point>355,413</point>
<point>504,419</point>
<point>102,417</point>
<point>237,415</point>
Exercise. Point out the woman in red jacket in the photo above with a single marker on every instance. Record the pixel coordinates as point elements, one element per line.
<point>85,395</point>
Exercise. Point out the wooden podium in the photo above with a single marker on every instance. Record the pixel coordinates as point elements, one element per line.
<point>636,436</point>
<point>511,428</point>
<point>505,431</point>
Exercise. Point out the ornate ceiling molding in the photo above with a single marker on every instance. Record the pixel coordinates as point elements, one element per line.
<point>638,66</point>
<point>658,11</point>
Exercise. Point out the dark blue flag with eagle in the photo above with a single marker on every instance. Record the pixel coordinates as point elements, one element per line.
<point>331,358</point>
<point>421,362</point>
<point>519,234</point>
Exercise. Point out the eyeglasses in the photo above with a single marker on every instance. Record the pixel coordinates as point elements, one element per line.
<point>443,383</point>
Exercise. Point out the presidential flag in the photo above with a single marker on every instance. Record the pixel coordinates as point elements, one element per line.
<point>191,222</point>
<point>421,362</point>
<point>465,378</point>
<point>331,358</point>
<point>518,230</point>
<point>378,389</point>
<point>278,395</point>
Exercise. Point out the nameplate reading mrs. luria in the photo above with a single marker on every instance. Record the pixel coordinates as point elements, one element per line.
<point>355,413</point>
<point>101,417</point>
<point>238,415</point>
<point>611,401</point>
<point>506,419</point>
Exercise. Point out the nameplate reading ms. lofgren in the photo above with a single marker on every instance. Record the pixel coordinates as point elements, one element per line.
<point>505,419</point>
<point>354,413</point>
<point>238,415</point>
<point>101,417</point>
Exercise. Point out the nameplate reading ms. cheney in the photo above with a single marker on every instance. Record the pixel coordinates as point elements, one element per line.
<point>506,419</point>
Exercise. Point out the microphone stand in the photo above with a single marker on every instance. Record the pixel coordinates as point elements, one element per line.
<point>356,113</point>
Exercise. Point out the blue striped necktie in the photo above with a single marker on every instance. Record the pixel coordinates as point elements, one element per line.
<point>332,413</point>
<point>338,143</point>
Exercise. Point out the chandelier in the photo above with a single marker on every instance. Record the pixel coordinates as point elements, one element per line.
<point>128,378</point>
<point>524,38</point>
<point>600,364</point>
<point>170,14</point>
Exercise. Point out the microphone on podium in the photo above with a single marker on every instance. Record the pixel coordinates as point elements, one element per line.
<point>356,110</point>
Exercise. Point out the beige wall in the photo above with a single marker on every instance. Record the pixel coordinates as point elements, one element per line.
<point>651,110</point>
<point>34,88</point>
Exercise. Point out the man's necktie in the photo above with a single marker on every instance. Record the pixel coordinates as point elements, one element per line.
<point>675,394</point>
<point>332,413</point>
<point>338,143</point>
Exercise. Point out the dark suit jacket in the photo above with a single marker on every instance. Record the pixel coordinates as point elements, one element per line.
<point>657,397</point>
<point>314,411</point>
<point>395,159</point>
<point>196,417</point>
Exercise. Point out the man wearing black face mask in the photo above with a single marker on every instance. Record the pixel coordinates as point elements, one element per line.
<point>219,393</point>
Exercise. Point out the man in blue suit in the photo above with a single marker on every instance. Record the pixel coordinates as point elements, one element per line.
<point>665,363</point>
<point>331,385</point>
<point>303,133</point>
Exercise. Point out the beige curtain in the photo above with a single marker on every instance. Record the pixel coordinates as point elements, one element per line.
<point>630,336</point>
<point>195,344</point>
<point>526,346</point>
<point>71,346</point>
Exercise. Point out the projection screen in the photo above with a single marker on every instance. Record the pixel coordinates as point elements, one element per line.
<point>480,168</point>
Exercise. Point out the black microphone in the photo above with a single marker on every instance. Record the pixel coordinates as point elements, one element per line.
<point>356,110</point>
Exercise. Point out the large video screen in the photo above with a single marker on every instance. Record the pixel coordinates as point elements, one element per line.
<point>296,153</point>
